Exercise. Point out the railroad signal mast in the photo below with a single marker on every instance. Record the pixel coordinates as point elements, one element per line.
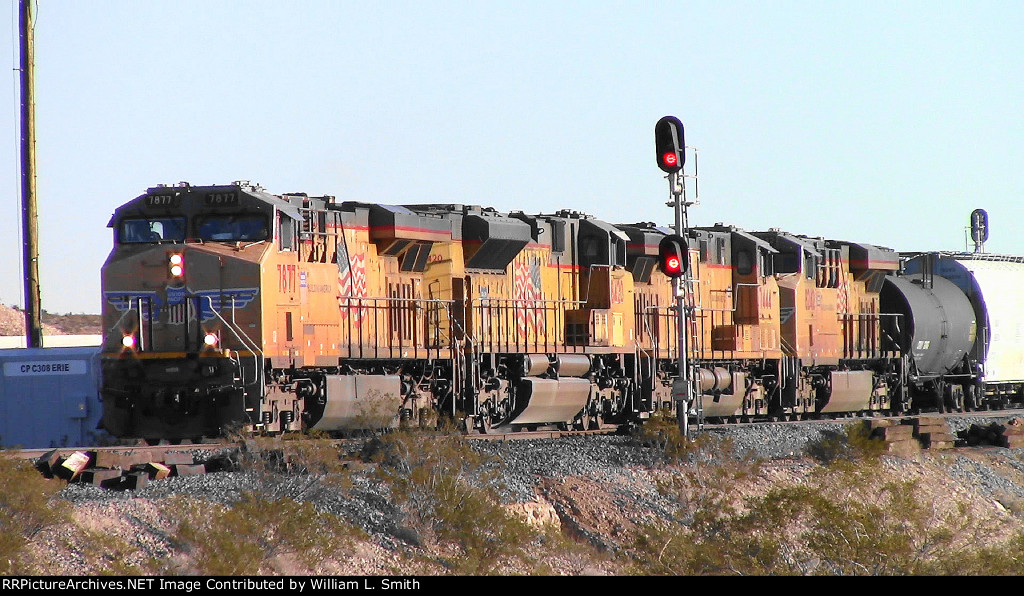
<point>673,254</point>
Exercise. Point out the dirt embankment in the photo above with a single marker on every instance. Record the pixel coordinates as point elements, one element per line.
<point>12,322</point>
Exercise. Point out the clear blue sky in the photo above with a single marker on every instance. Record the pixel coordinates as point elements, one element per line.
<point>879,122</point>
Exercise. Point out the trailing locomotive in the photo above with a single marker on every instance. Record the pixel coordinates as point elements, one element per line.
<point>227,306</point>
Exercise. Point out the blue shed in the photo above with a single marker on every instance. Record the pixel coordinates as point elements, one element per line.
<point>49,397</point>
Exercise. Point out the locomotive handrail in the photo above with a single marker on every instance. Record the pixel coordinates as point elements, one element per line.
<point>655,343</point>
<point>137,301</point>
<point>526,300</point>
<point>118,322</point>
<point>458,356</point>
<point>531,300</point>
<point>381,303</point>
<point>238,330</point>
<point>251,345</point>
<point>734,292</point>
<point>396,299</point>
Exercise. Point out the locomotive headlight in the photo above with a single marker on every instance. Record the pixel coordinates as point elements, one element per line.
<point>176,264</point>
<point>128,342</point>
<point>211,340</point>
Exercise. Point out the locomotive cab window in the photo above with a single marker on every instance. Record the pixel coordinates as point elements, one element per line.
<point>810,265</point>
<point>285,232</point>
<point>232,227</point>
<point>557,235</point>
<point>593,250</point>
<point>744,262</point>
<point>154,229</point>
<point>618,252</point>
<point>764,263</point>
<point>788,261</point>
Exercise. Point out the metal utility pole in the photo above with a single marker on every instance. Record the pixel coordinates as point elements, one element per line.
<point>29,211</point>
<point>681,392</point>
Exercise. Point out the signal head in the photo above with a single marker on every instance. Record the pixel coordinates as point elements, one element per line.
<point>672,256</point>
<point>979,225</point>
<point>669,145</point>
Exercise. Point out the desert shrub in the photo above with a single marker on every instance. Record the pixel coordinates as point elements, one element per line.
<point>296,469</point>
<point>110,555</point>
<point>843,521</point>
<point>1005,558</point>
<point>853,445</point>
<point>449,495</point>
<point>661,434</point>
<point>710,534</point>
<point>27,507</point>
<point>238,539</point>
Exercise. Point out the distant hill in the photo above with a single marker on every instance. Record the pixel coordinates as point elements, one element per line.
<point>12,322</point>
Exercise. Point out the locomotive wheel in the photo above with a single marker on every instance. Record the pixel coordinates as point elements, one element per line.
<point>953,398</point>
<point>903,401</point>
<point>582,422</point>
<point>476,424</point>
<point>970,398</point>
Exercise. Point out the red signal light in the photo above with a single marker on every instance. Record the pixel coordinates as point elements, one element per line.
<point>672,265</point>
<point>672,255</point>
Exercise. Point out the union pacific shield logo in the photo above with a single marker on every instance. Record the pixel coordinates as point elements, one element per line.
<point>182,303</point>
<point>224,301</point>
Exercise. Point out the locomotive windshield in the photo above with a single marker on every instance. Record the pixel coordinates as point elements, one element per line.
<point>153,229</point>
<point>232,227</point>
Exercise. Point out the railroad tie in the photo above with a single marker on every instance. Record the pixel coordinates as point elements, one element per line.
<point>1010,435</point>
<point>933,432</point>
<point>121,470</point>
<point>909,434</point>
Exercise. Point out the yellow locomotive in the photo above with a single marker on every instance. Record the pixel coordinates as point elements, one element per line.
<point>228,306</point>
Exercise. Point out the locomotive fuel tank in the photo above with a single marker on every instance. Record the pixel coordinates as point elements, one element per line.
<point>934,322</point>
